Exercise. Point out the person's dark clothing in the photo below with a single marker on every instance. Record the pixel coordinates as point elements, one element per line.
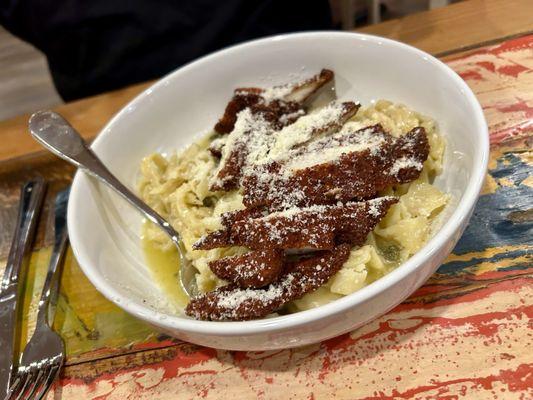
<point>98,45</point>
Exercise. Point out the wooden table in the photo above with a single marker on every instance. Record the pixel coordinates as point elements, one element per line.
<point>466,334</point>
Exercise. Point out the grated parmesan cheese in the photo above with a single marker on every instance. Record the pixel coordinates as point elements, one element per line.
<point>303,129</point>
<point>404,163</point>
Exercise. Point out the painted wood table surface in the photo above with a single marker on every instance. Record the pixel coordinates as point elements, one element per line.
<point>467,333</point>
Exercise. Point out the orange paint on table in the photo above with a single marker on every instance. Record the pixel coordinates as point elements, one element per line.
<point>465,334</point>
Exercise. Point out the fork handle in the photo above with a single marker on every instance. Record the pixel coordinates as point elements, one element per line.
<point>45,314</point>
<point>57,135</point>
<point>32,196</point>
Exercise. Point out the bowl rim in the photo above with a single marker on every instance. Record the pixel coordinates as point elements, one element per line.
<point>232,328</point>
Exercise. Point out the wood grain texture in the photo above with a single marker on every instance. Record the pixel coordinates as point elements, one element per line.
<point>467,333</point>
<point>450,344</point>
<point>459,26</point>
<point>87,115</point>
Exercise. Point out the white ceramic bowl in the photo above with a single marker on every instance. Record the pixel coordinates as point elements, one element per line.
<point>104,229</point>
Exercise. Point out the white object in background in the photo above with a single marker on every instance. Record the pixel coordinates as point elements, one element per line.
<point>374,11</point>
<point>105,230</point>
<point>438,3</point>
<point>349,7</point>
<point>347,14</point>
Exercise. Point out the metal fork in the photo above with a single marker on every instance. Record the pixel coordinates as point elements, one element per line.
<point>32,196</point>
<point>44,354</point>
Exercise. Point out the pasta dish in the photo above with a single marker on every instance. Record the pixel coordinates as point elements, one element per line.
<point>287,205</point>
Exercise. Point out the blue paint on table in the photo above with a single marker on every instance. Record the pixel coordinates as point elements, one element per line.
<point>453,267</point>
<point>491,225</point>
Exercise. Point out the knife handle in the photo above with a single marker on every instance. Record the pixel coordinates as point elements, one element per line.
<point>32,195</point>
<point>48,301</point>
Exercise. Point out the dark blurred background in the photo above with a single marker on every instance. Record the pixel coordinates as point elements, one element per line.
<point>62,50</point>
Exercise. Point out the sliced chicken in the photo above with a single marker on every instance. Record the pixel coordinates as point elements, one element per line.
<point>234,303</point>
<point>315,227</point>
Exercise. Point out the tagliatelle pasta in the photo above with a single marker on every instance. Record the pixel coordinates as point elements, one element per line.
<point>178,188</point>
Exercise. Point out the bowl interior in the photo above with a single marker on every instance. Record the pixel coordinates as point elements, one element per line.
<point>105,230</point>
